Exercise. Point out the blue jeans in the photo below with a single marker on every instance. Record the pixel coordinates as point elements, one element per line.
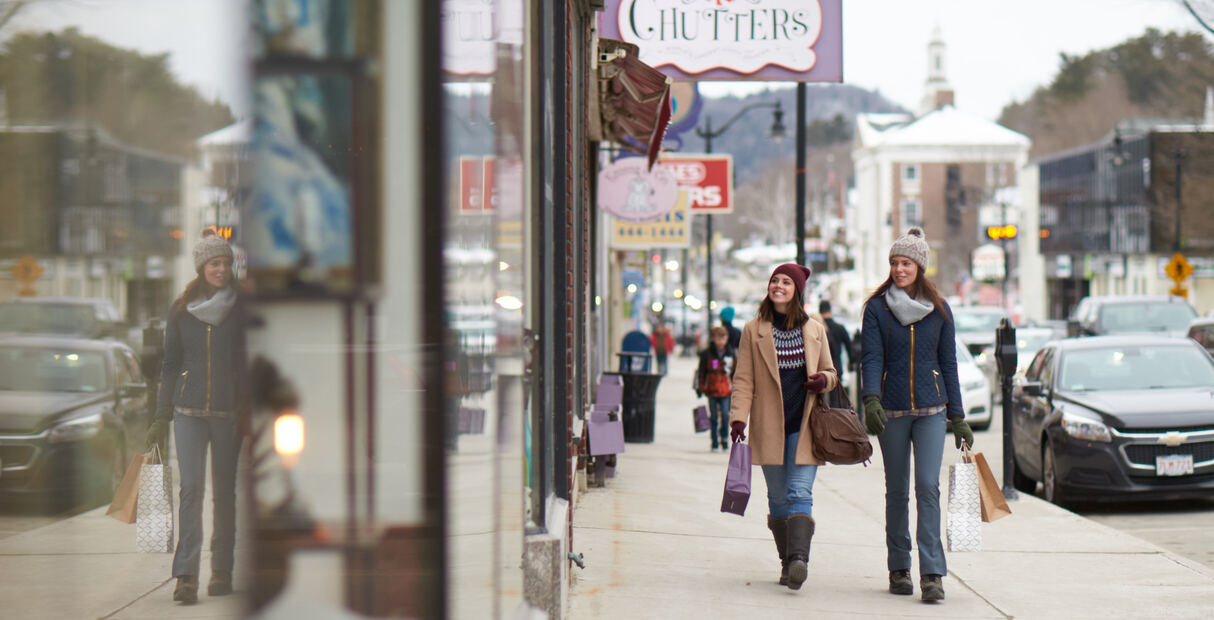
<point>193,434</point>
<point>718,416</point>
<point>925,435</point>
<point>790,487</point>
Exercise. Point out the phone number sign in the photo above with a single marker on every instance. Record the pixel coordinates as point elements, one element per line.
<point>670,230</point>
<point>706,179</point>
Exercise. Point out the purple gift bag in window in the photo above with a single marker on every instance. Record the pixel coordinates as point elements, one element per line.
<point>737,480</point>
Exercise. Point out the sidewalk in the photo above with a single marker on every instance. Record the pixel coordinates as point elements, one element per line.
<point>657,546</point>
<point>87,567</point>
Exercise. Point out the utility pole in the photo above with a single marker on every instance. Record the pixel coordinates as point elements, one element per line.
<point>800,174</point>
<point>1178,157</point>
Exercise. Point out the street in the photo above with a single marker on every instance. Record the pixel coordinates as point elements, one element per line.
<point>1181,526</point>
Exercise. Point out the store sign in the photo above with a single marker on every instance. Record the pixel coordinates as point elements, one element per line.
<point>689,40</point>
<point>707,179</point>
<point>631,191</point>
<point>671,230</point>
<point>477,184</point>
<point>988,262</point>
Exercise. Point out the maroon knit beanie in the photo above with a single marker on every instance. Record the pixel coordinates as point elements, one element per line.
<point>798,273</point>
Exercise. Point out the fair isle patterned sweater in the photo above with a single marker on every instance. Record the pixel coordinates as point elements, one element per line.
<point>790,356</point>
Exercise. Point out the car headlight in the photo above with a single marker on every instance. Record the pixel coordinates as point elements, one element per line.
<point>77,429</point>
<point>1083,428</point>
<point>974,384</point>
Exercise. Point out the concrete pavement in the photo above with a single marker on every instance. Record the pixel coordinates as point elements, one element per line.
<point>87,567</point>
<point>657,546</point>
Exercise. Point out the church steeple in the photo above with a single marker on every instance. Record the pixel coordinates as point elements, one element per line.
<point>937,92</point>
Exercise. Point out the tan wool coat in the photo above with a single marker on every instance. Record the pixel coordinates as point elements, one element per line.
<point>758,400</point>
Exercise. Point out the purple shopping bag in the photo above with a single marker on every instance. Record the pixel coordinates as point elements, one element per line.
<point>606,435</point>
<point>700,417</point>
<point>737,480</point>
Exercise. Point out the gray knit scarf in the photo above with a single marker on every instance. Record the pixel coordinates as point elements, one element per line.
<point>906,310</point>
<point>215,309</point>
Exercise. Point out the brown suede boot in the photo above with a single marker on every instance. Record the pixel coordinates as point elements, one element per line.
<point>187,590</point>
<point>221,583</point>
<point>779,531</point>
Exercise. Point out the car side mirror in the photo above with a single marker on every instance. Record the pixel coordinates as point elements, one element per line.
<point>1032,388</point>
<point>1073,329</point>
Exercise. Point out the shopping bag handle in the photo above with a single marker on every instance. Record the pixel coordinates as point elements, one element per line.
<point>967,453</point>
<point>155,453</point>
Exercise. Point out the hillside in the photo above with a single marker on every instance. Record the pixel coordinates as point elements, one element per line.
<point>1157,75</point>
<point>830,109</point>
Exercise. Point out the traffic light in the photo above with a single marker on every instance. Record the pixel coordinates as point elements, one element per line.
<point>1001,232</point>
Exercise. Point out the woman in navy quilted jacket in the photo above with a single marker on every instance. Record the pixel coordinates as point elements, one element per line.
<point>203,367</point>
<point>910,385</point>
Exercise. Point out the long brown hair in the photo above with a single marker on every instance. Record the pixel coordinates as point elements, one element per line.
<point>795,311</point>
<point>921,287</point>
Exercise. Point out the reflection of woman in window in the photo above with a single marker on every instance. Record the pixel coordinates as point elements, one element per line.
<point>199,386</point>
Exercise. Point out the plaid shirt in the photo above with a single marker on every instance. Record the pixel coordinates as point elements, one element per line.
<point>905,413</point>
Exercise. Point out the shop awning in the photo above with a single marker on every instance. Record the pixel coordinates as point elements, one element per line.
<point>634,100</point>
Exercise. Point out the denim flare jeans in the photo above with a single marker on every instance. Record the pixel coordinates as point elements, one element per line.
<point>790,487</point>
<point>193,435</point>
<point>924,435</point>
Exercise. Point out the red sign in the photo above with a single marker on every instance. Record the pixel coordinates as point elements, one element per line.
<point>707,179</point>
<point>477,184</point>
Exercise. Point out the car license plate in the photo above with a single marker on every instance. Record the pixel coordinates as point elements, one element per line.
<point>1174,465</point>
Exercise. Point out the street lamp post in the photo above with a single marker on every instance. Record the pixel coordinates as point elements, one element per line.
<point>1178,156</point>
<point>708,133</point>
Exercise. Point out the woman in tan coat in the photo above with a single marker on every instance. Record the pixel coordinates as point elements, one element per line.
<point>783,364</point>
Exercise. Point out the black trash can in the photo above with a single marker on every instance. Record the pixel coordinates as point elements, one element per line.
<point>638,405</point>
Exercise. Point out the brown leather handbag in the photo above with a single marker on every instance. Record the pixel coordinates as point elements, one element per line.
<point>839,437</point>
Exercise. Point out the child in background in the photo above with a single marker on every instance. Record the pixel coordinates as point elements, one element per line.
<point>714,380</point>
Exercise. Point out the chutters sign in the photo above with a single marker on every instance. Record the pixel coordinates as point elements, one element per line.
<point>795,40</point>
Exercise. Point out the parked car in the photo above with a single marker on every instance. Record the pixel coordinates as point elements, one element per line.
<point>975,390</point>
<point>72,413</point>
<point>1202,332</point>
<point>1130,314</point>
<point>1114,418</point>
<point>976,327</point>
<point>1029,341</point>
<point>90,317</point>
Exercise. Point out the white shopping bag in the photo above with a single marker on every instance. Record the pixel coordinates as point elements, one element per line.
<point>154,512</point>
<point>964,528</point>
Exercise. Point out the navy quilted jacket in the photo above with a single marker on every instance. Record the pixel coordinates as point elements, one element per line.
<point>910,366</point>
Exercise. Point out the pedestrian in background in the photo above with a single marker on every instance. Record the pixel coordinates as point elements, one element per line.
<point>910,385</point>
<point>735,335</point>
<point>783,364</point>
<point>714,379</point>
<point>203,366</point>
<point>838,337</point>
<point>663,343</point>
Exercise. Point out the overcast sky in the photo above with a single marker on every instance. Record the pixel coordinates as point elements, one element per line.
<point>998,50</point>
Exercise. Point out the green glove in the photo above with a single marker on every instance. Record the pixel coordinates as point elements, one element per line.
<point>158,434</point>
<point>962,432</point>
<point>874,415</point>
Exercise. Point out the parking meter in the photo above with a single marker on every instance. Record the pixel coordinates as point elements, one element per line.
<point>1005,359</point>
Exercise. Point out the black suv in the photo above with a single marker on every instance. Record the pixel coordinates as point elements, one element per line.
<point>1127,314</point>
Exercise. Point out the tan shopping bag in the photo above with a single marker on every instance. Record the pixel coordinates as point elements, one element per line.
<point>126,498</point>
<point>994,506</point>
